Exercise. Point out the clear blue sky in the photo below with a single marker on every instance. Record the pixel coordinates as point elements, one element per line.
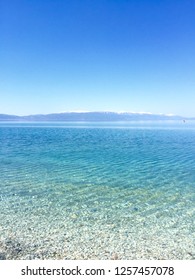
<point>96,55</point>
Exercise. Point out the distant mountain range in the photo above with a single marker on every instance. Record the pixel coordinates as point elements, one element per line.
<point>93,116</point>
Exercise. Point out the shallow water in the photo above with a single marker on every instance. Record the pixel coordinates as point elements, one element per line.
<point>94,190</point>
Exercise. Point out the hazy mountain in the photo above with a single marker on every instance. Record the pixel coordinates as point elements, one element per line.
<point>4,117</point>
<point>93,116</point>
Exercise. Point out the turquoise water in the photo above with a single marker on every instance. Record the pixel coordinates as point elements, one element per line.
<point>97,190</point>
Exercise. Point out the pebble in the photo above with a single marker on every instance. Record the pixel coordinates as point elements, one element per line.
<point>74,216</point>
<point>2,256</point>
<point>114,256</point>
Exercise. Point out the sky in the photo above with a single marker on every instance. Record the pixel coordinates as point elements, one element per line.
<point>100,55</point>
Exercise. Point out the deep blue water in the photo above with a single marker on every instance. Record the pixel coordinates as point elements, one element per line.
<point>99,174</point>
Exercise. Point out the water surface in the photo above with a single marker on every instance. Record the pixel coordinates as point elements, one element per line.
<point>94,190</point>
